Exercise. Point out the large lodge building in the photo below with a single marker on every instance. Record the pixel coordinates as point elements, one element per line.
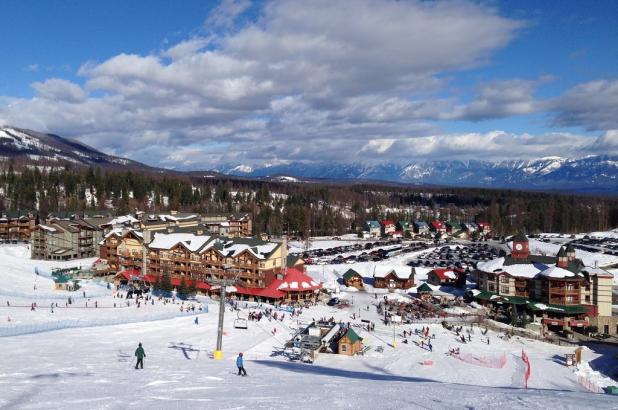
<point>261,268</point>
<point>195,256</point>
<point>559,291</point>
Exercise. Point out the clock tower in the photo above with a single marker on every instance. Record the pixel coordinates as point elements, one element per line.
<point>520,247</point>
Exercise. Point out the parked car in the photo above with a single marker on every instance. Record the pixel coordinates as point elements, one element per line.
<point>333,302</point>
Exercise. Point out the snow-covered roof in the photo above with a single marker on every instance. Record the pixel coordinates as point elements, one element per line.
<point>400,272</point>
<point>47,228</point>
<point>190,241</point>
<point>259,251</point>
<point>124,219</point>
<point>556,272</point>
<point>524,270</point>
<point>297,280</point>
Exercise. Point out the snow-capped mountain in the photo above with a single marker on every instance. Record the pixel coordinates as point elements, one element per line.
<point>49,150</point>
<point>593,174</point>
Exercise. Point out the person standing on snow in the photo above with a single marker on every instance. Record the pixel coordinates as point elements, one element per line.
<point>240,363</point>
<point>139,353</point>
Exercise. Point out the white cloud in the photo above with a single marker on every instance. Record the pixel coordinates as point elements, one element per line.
<point>360,80</point>
<point>58,89</point>
<point>592,105</point>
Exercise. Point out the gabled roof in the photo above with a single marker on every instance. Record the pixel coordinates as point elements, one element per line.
<point>350,273</point>
<point>373,224</point>
<point>387,222</point>
<point>437,224</point>
<point>447,274</point>
<point>398,272</point>
<point>424,288</point>
<point>520,237</point>
<point>421,224</point>
<point>295,280</point>
<point>352,335</point>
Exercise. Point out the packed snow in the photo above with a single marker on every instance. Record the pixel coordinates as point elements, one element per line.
<point>93,366</point>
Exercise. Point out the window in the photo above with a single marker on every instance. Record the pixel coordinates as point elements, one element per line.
<point>344,348</point>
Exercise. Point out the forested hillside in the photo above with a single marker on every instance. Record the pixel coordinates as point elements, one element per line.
<point>298,208</point>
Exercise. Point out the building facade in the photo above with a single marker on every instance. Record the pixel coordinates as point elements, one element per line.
<point>61,239</point>
<point>16,228</point>
<point>558,291</point>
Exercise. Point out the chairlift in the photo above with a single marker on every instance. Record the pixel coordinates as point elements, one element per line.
<point>240,323</point>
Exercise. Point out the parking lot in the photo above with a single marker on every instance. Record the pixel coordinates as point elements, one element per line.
<point>362,252</point>
<point>608,246</point>
<point>456,256</point>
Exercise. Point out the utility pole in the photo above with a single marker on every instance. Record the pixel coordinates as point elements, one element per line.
<point>222,282</point>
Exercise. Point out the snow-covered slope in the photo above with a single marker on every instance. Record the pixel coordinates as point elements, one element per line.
<point>49,150</point>
<point>598,173</point>
<point>92,367</point>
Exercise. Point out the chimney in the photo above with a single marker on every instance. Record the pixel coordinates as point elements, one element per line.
<point>147,236</point>
<point>284,252</point>
<point>562,258</point>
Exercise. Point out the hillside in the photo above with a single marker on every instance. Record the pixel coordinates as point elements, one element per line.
<point>49,150</point>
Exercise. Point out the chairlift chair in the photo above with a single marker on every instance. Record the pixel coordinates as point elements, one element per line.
<point>240,323</point>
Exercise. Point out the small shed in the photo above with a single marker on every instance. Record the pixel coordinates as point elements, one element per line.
<point>350,343</point>
<point>353,278</point>
<point>63,282</point>
<point>424,291</point>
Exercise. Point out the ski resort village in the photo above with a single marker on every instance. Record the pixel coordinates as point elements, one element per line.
<point>189,311</point>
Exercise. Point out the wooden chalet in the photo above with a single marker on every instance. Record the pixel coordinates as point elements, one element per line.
<point>399,278</point>
<point>350,343</point>
<point>353,279</point>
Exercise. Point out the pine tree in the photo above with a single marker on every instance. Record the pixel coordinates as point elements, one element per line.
<point>166,282</point>
<point>183,290</point>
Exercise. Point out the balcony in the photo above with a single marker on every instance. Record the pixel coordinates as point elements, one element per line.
<point>563,291</point>
<point>563,301</point>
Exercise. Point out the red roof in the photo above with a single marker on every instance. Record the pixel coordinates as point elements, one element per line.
<point>441,273</point>
<point>131,274</point>
<point>387,223</point>
<point>296,280</point>
<point>150,278</point>
<point>437,224</point>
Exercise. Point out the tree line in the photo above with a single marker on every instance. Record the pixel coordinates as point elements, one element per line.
<point>300,209</point>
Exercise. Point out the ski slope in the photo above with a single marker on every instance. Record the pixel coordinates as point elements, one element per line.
<point>92,366</point>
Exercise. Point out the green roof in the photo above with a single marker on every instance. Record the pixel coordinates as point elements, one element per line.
<point>484,295</point>
<point>516,300</point>
<point>424,288</point>
<point>351,334</point>
<point>62,278</point>
<point>350,274</point>
<point>573,309</point>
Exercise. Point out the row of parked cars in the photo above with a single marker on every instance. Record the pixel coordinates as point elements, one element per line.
<point>370,251</point>
<point>460,256</point>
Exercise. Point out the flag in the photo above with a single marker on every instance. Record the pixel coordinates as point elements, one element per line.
<point>524,357</point>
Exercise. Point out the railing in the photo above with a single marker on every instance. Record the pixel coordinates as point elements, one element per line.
<point>564,290</point>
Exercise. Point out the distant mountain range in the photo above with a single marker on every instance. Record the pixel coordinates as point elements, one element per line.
<point>594,174</point>
<point>598,174</point>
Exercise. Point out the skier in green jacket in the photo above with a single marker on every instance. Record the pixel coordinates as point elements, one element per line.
<point>139,353</point>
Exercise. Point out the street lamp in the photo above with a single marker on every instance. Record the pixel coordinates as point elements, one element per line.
<point>222,282</point>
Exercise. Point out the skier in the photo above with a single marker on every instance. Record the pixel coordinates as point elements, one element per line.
<point>240,364</point>
<point>430,346</point>
<point>196,321</point>
<point>139,353</point>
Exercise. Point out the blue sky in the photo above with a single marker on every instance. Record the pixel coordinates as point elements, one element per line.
<point>201,84</point>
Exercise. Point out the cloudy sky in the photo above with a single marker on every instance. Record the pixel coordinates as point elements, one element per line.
<point>197,85</point>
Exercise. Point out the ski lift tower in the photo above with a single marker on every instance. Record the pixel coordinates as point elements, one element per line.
<point>222,282</point>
